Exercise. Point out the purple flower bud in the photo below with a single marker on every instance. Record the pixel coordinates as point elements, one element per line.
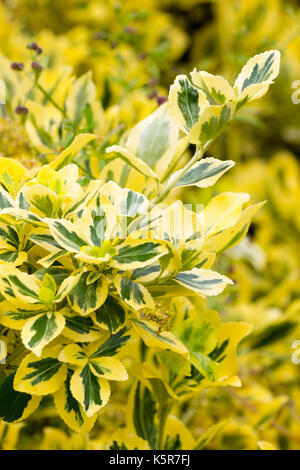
<point>17,66</point>
<point>152,94</point>
<point>100,35</point>
<point>33,46</point>
<point>143,55</point>
<point>36,67</point>
<point>153,82</point>
<point>21,110</point>
<point>39,50</point>
<point>130,30</point>
<point>161,99</point>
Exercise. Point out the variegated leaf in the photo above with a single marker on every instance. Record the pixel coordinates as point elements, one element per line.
<point>81,329</point>
<point>147,274</point>
<point>179,224</point>
<point>70,152</point>
<point>73,354</point>
<point>133,161</point>
<point>110,346</point>
<point>85,299</point>
<point>186,103</point>
<point>203,281</point>
<point>6,200</point>
<point>256,76</point>
<point>21,285</point>
<point>154,338</point>
<point>15,406</point>
<point>9,237</point>
<point>14,314</point>
<point>70,410</point>
<point>108,368</point>
<point>66,286</point>
<point>133,254</point>
<point>155,139</point>
<point>204,173</point>
<point>15,215</point>
<point>68,235</point>
<point>15,258</point>
<point>234,234</point>
<point>210,124</point>
<point>135,295</point>
<point>90,192</point>
<point>125,201</point>
<point>43,199</point>
<point>41,237</point>
<point>192,256</point>
<point>99,219</point>
<point>41,329</point>
<point>205,365</point>
<point>200,334</point>
<point>49,260</point>
<point>216,89</point>
<point>11,174</point>
<point>89,390</point>
<point>40,376</point>
<point>111,315</point>
<point>223,211</point>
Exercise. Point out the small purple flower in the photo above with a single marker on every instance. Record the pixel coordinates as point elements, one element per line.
<point>33,46</point>
<point>161,99</point>
<point>130,30</point>
<point>17,66</point>
<point>36,67</point>
<point>100,35</point>
<point>143,55</point>
<point>21,110</point>
<point>153,82</point>
<point>152,94</point>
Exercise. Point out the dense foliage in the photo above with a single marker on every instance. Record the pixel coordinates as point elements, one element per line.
<point>118,300</point>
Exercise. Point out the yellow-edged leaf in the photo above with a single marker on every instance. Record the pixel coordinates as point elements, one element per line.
<point>132,254</point>
<point>223,211</point>
<point>135,295</point>
<point>89,390</point>
<point>133,161</point>
<point>186,103</point>
<point>86,298</point>
<point>256,76</point>
<point>203,281</point>
<point>154,338</point>
<point>216,89</point>
<point>70,410</point>
<point>40,376</point>
<point>41,329</point>
<point>211,123</point>
<point>70,152</point>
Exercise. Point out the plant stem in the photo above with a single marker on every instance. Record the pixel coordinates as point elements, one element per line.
<point>163,412</point>
<point>49,98</point>
<point>47,95</point>
<point>82,168</point>
<point>180,173</point>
